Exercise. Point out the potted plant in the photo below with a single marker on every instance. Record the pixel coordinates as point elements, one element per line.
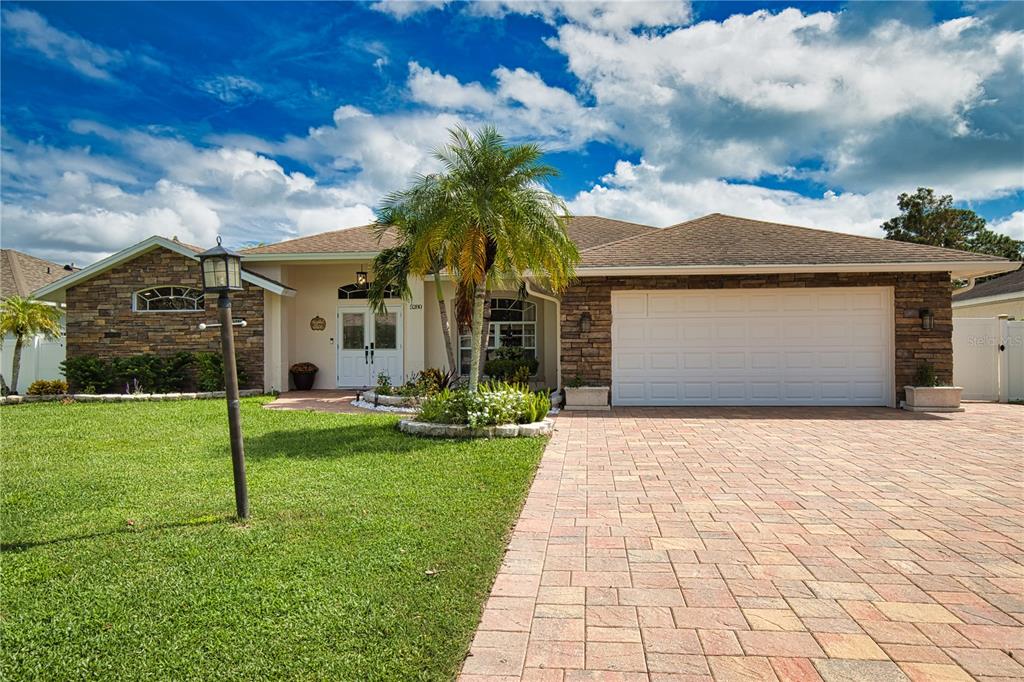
<point>928,395</point>
<point>303,375</point>
<point>579,396</point>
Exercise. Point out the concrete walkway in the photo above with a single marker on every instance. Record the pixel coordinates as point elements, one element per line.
<point>763,544</point>
<point>319,400</point>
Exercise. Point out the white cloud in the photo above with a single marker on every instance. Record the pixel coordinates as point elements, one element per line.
<point>1012,225</point>
<point>31,30</point>
<point>639,193</point>
<point>403,9</point>
<point>230,89</point>
<point>611,17</point>
<point>521,104</point>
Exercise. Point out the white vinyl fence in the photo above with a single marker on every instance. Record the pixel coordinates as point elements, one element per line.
<point>40,359</point>
<point>988,358</point>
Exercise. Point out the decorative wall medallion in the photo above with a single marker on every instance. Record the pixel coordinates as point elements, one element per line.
<point>318,324</point>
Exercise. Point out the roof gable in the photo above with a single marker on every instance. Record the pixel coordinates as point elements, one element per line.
<point>728,241</point>
<point>146,245</point>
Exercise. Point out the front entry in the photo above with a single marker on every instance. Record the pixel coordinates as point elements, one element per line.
<point>369,345</point>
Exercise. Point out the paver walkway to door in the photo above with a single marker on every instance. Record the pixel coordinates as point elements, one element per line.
<point>762,544</point>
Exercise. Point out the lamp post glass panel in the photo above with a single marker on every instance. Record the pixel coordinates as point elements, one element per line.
<point>222,274</point>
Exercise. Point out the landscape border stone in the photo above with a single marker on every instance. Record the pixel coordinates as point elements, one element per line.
<point>121,397</point>
<point>430,429</point>
<point>391,400</point>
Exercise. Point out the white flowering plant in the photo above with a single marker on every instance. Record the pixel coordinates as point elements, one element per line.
<point>494,403</point>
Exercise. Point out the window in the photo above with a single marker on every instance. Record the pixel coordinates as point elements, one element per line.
<point>168,299</point>
<point>355,292</point>
<point>513,323</point>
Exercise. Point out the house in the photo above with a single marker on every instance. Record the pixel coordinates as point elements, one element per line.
<point>1002,295</point>
<point>714,311</point>
<point>21,274</point>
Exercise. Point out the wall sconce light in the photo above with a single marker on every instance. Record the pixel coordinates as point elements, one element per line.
<point>585,321</point>
<point>927,319</point>
<point>361,278</point>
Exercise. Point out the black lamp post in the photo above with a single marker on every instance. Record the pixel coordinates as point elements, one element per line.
<point>222,274</point>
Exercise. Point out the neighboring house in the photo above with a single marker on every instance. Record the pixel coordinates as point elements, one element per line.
<point>714,311</point>
<point>20,275</point>
<point>1002,295</point>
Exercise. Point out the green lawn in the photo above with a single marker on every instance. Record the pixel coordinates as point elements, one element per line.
<point>368,555</point>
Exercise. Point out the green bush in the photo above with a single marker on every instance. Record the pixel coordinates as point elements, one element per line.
<point>44,387</point>
<point>511,369</point>
<point>209,372</point>
<point>425,383</point>
<point>925,375</point>
<point>88,374</point>
<point>151,373</point>
<point>495,403</point>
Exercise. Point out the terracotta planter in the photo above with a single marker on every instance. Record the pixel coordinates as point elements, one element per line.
<point>587,398</point>
<point>303,380</point>
<point>933,398</point>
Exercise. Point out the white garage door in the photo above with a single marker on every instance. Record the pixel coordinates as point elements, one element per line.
<point>753,347</point>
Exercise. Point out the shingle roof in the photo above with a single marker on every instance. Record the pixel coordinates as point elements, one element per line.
<point>359,239</point>
<point>1010,283</point>
<point>722,240</point>
<point>22,273</point>
<point>586,231</point>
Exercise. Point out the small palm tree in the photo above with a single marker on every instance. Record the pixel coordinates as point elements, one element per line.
<point>499,222</point>
<point>412,216</point>
<point>24,319</point>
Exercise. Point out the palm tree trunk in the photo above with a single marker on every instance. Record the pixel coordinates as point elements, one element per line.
<point>485,332</point>
<point>16,364</point>
<point>446,328</point>
<point>479,296</point>
<point>4,388</point>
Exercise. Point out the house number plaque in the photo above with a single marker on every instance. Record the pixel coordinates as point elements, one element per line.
<point>318,324</point>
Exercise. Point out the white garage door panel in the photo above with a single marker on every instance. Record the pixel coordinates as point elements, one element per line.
<point>768,347</point>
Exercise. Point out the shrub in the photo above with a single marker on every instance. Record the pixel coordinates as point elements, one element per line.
<point>925,375</point>
<point>425,383</point>
<point>495,403</point>
<point>384,386</point>
<point>511,369</point>
<point>150,373</point>
<point>88,374</point>
<point>44,387</point>
<point>210,372</point>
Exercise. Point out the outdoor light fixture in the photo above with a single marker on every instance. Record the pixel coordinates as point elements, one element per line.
<point>361,278</point>
<point>222,270</point>
<point>585,321</point>
<point>222,274</point>
<point>927,319</point>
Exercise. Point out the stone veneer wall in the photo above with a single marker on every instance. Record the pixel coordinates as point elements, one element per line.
<point>590,355</point>
<point>100,320</point>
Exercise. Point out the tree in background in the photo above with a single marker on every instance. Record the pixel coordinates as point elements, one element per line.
<point>926,218</point>
<point>24,319</point>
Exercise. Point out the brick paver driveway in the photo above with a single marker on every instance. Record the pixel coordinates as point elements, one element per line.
<point>755,544</point>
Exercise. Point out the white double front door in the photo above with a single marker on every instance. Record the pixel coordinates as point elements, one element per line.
<point>369,345</point>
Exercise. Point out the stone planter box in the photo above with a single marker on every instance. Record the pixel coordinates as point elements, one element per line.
<point>415,428</point>
<point>587,398</point>
<point>392,400</point>
<point>933,399</point>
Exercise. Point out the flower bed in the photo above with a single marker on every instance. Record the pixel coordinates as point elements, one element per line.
<point>494,410</point>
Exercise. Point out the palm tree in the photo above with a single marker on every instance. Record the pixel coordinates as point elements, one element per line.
<point>412,217</point>
<point>24,319</point>
<point>499,222</point>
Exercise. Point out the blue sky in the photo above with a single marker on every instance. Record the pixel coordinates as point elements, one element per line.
<point>264,121</point>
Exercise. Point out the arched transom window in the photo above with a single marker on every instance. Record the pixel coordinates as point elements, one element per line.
<point>356,292</point>
<point>513,323</point>
<point>167,299</point>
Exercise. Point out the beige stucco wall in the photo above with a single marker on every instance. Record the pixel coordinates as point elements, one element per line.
<point>290,339</point>
<point>1013,308</point>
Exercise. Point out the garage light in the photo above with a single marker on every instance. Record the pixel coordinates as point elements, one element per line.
<point>585,321</point>
<point>927,319</point>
